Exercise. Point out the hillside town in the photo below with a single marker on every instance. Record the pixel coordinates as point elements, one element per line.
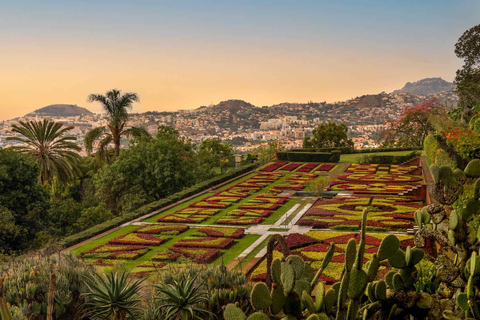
<point>247,126</point>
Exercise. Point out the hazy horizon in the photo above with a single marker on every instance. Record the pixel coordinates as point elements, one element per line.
<point>185,55</point>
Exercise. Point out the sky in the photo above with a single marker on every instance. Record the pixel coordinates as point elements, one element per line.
<point>185,54</point>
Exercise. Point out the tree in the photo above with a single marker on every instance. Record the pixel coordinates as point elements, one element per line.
<point>116,105</point>
<point>149,170</point>
<point>413,126</point>
<point>52,149</point>
<point>23,202</point>
<point>329,135</point>
<point>214,153</point>
<point>467,78</point>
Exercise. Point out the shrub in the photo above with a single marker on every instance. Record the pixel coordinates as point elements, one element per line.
<point>430,146</point>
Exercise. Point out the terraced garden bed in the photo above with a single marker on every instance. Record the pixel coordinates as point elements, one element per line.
<point>313,246</point>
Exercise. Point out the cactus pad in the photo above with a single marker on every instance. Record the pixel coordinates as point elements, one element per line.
<point>319,296</point>
<point>350,254</point>
<point>381,290</point>
<point>260,297</point>
<point>278,299</point>
<point>390,244</point>
<point>258,316</point>
<point>287,277</point>
<point>297,264</point>
<point>330,299</point>
<point>232,312</point>
<point>398,260</point>
<point>276,271</point>
<point>358,283</point>
<point>373,268</point>
<point>472,169</point>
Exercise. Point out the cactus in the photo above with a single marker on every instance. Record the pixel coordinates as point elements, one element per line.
<point>258,316</point>
<point>472,170</point>
<point>232,312</point>
<point>260,297</point>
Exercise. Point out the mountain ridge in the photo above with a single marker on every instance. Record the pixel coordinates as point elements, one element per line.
<point>60,110</point>
<point>426,86</point>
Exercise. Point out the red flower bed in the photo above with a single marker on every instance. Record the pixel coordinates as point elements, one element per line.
<point>209,204</point>
<point>113,248</point>
<point>274,166</point>
<point>180,218</point>
<point>291,166</point>
<point>249,213</point>
<point>308,167</point>
<point>152,265</point>
<point>296,240</point>
<point>209,242</point>
<point>222,232</point>
<point>157,229</point>
<point>137,239</point>
<point>326,167</point>
<point>264,206</point>
<point>166,256</point>
<point>231,220</point>
<point>199,255</point>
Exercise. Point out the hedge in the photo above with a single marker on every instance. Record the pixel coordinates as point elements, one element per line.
<point>354,151</point>
<point>126,217</point>
<point>388,159</point>
<point>333,156</point>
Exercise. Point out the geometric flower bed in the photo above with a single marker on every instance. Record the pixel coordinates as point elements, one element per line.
<point>313,247</point>
<point>226,232</point>
<point>379,168</point>
<point>198,211</point>
<point>326,167</point>
<point>198,255</point>
<point>249,213</point>
<point>308,167</point>
<point>138,239</point>
<point>379,177</point>
<point>369,187</point>
<point>386,213</point>
<point>183,218</point>
<point>291,166</point>
<point>296,182</point>
<point>206,242</point>
<point>162,229</point>
<point>274,166</point>
<point>238,220</point>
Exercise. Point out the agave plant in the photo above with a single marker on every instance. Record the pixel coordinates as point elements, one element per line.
<point>182,300</point>
<point>113,296</point>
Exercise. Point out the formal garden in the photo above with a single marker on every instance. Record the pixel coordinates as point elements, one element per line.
<point>231,224</point>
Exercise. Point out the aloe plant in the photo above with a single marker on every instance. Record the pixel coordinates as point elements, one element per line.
<point>113,296</point>
<point>183,299</point>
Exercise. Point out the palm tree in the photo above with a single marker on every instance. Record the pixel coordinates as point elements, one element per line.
<point>55,152</point>
<point>113,296</point>
<point>116,105</point>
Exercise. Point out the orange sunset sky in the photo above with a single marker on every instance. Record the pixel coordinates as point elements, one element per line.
<point>184,54</point>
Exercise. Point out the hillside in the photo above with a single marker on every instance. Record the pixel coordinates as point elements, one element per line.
<point>60,110</point>
<point>426,86</point>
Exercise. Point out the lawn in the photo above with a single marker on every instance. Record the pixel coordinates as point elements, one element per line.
<point>355,157</point>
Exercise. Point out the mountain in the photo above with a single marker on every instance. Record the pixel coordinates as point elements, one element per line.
<point>426,86</point>
<point>60,110</point>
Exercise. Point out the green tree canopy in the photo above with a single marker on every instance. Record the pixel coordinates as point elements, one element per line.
<point>149,170</point>
<point>214,153</point>
<point>23,202</point>
<point>329,135</point>
<point>467,78</point>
